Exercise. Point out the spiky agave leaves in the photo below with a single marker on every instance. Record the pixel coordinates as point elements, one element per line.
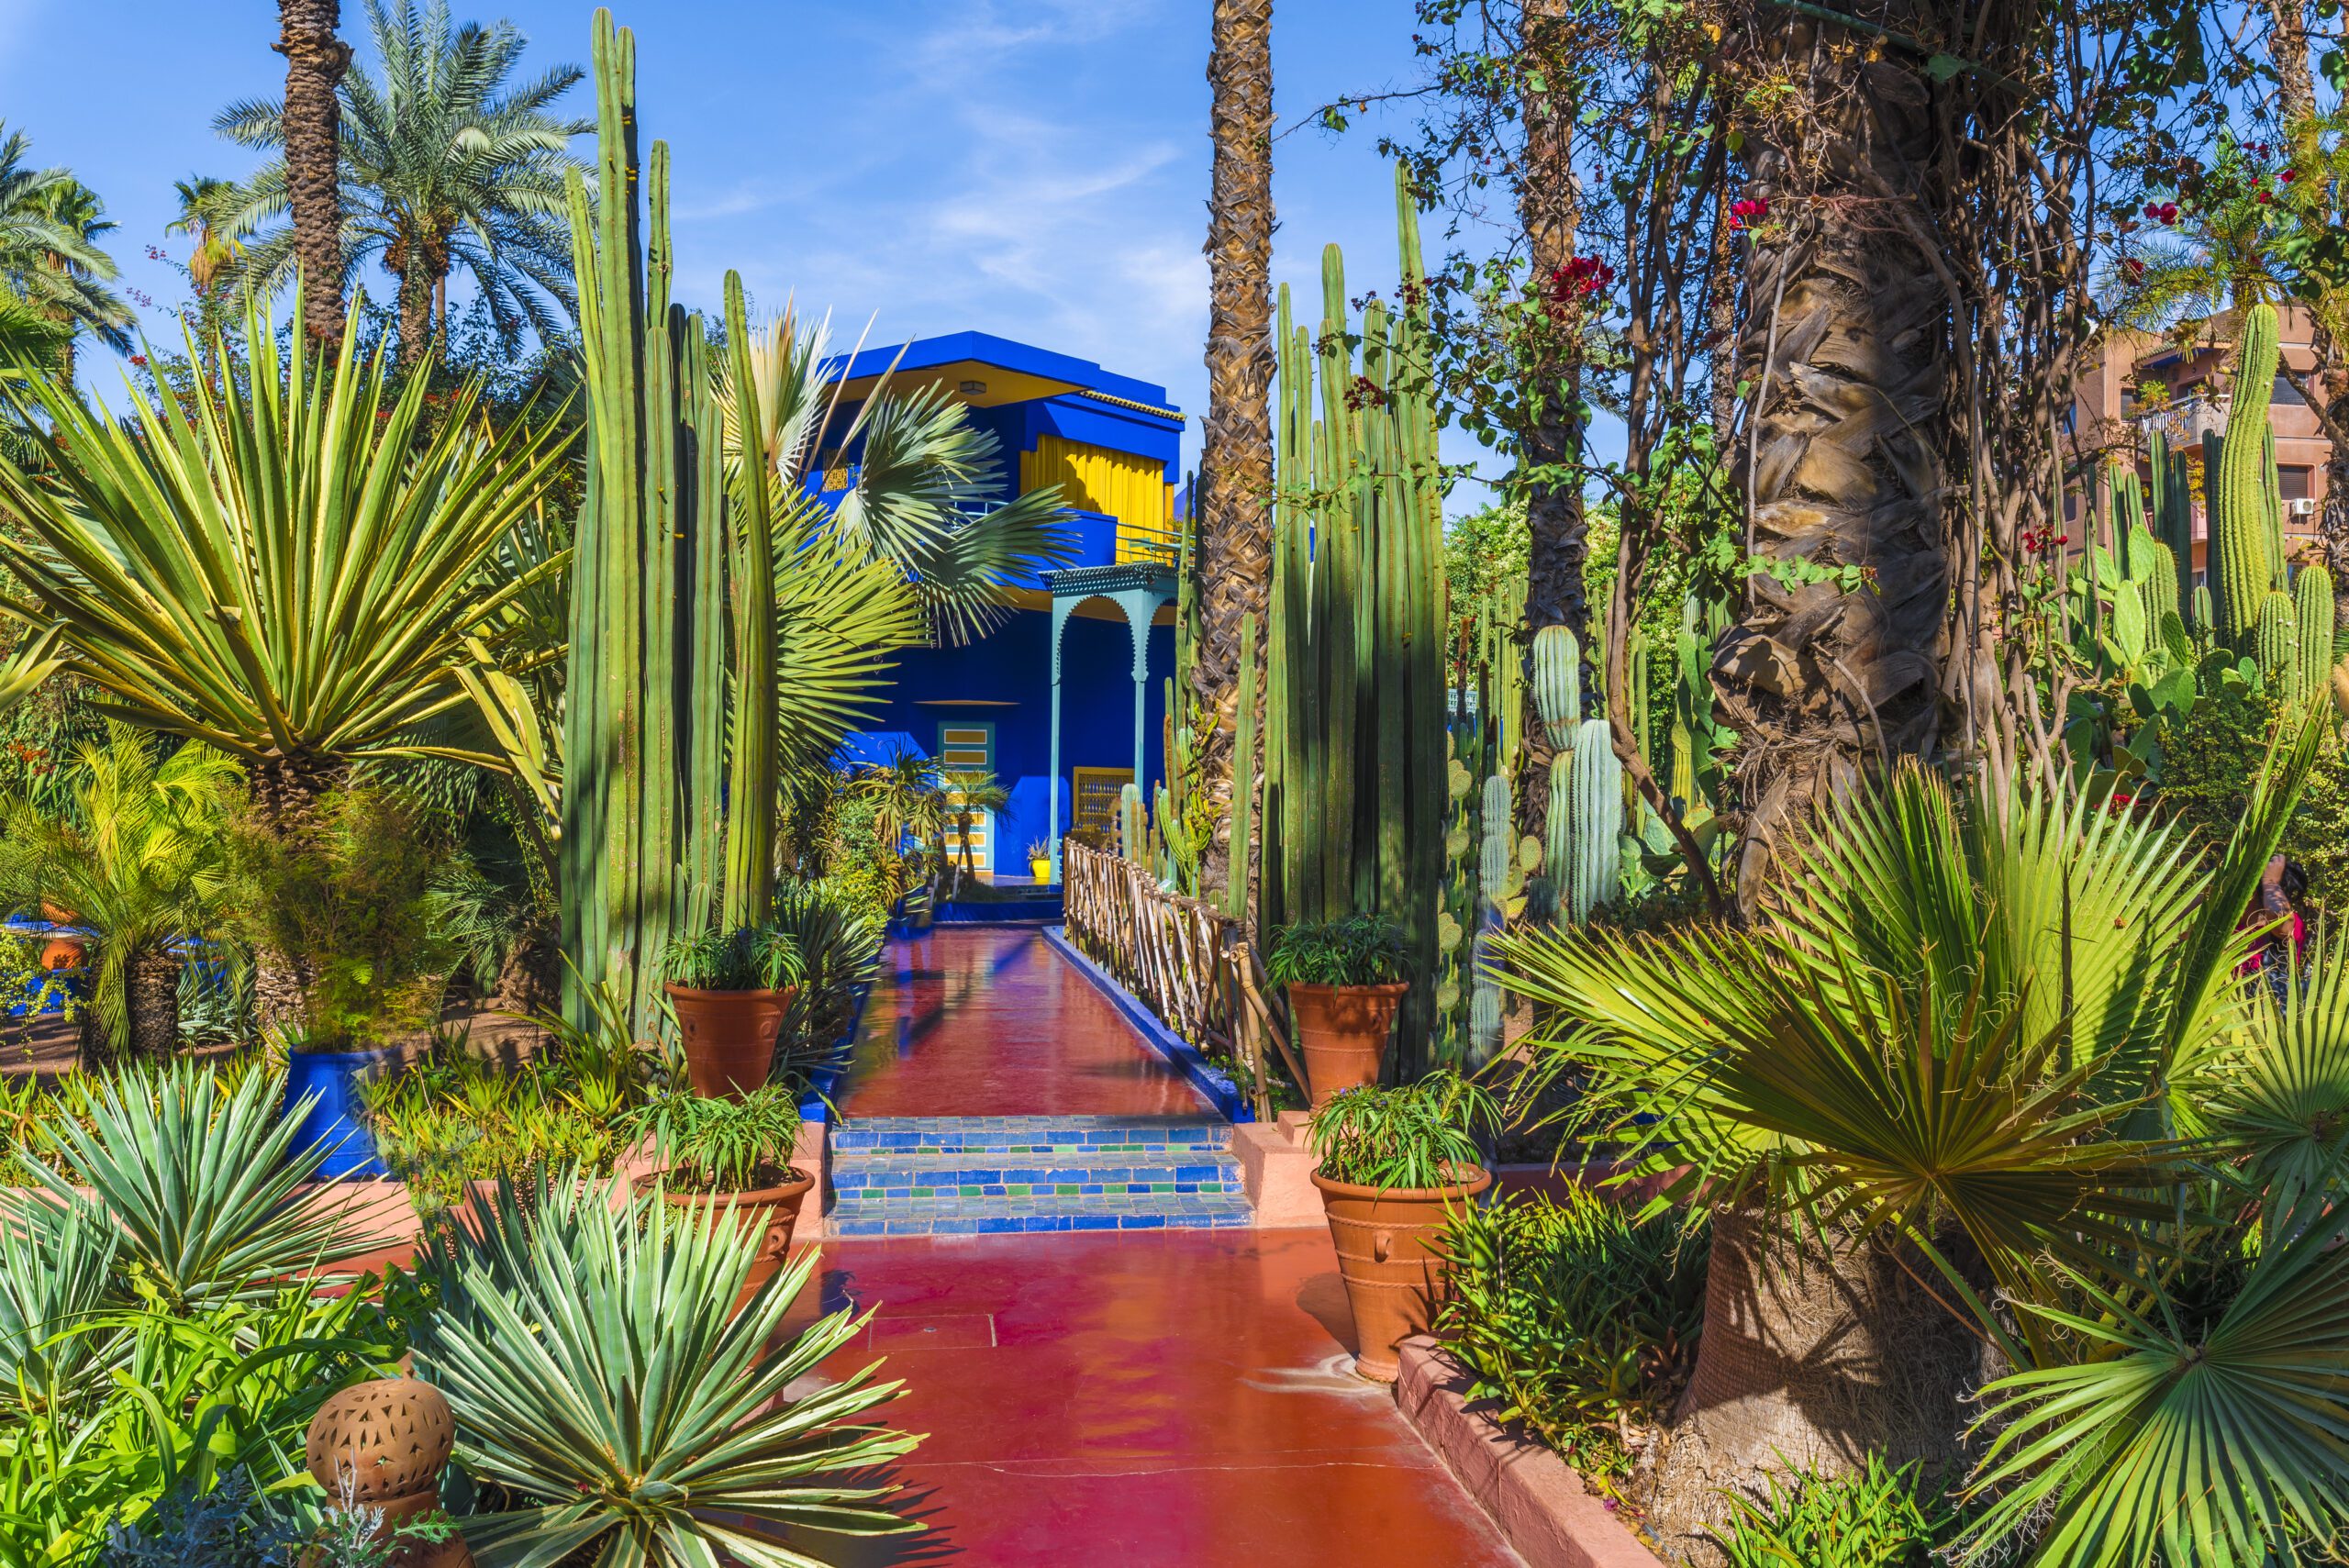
<point>591,1347</point>
<point>208,1187</point>
<point>283,569</point>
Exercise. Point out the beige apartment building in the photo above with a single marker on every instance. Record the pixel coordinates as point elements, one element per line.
<point>2141,382</point>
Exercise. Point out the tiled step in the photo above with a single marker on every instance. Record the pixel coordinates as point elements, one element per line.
<point>1030,1175</point>
<point>977,1176</point>
<point>995,1215</point>
<point>1026,1134</point>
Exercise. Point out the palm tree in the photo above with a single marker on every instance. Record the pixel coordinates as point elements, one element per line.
<point>203,200</point>
<point>1236,460</point>
<point>315,58</point>
<point>970,792</point>
<point>1949,1070</point>
<point>1835,659</point>
<point>908,798</point>
<point>140,858</point>
<point>292,573</point>
<point>443,166</point>
<point>49,256</point>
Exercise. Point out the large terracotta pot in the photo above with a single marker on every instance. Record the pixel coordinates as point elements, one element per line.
<point>1342,1031</point>
<point>1388,1258</point>
<point>729,1035</point>
<point>776,1208</point>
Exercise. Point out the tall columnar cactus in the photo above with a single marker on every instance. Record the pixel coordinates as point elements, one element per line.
<point>1592,804</point>
<point>2313,604</point>
<point>2173,514</point>
<point>1499,877</point>
<point>1243,776</point>
<point>644,720</point>
<point>2276,640</point>
<point>1557,681</point>
<point>1356,741</point>
<point>2239,521</point>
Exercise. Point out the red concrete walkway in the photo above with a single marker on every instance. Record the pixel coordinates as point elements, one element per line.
<point>991,1021</point>
<point>1171,1400</point>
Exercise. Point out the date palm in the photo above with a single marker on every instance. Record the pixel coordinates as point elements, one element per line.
<point>1834,662</point>
<point>1952,1067</point>
<point>445,164</point>
<point>51,258</point>
<point>1234,500</point>
<point>291,573</point>
<point>311,132</point>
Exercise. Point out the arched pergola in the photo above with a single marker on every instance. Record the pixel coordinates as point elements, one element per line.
<point>1140,590</point>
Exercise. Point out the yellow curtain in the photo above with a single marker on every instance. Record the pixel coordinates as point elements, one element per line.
<point>1117,484</point>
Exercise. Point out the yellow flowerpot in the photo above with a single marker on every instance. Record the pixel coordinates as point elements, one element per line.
<point>1042,871</point>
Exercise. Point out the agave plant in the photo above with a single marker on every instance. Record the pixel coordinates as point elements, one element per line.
<point>141,857</point>
<point>1959,1063</point>
<point>57,1275</point>
<point>590,1346</point>
<point>205,1186</point>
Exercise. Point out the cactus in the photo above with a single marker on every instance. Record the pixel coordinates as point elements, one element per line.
<point>2173,514</point>
<point>1358,617</point>
<point>2276,640</point>
<point>1557,682</point>
<point>1592,805</point>
<point>645,808</point>
<point>2312,606</point>
<point>1129,826</point>
<point>2238,518</point>
<point>2205,613</point>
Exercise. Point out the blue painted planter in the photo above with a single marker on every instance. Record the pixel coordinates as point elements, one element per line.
<point>334,1118</point>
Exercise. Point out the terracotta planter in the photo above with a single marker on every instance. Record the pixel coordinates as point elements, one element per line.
<point>1387,1256</point>
<point>776,1208</point>
<point>1342,1031</point>
<point>729,1035</point>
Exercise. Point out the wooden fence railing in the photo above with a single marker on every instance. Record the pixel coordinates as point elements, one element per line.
<point>1189,964</point>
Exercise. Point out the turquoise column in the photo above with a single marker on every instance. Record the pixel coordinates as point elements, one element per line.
<point>1141,606</point>
<point>1061,610</point>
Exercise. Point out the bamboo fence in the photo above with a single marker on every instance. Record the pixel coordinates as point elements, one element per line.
<point>1191,965</point>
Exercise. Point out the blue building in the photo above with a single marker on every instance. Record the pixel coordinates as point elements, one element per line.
<point>1063,702</point>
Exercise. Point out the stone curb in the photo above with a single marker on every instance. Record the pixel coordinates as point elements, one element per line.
<point>1534,1498</point>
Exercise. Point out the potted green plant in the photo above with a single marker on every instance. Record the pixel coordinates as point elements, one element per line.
<point>1040,862</point>
<point>730,990</point>
<point>1344,978</point>
<point>1395,1164</point>
<point>715,1152</point>
<point>327,1075</point>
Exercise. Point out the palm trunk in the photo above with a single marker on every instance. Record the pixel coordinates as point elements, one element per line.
<point>1236,460</point>
<point>1811,1359</point>
<point>416,316</point>
<point>152,994</point>
<point>1835,663</point>
<point>1548,206</point>
<point>289,796</point>
<point>315,61</point>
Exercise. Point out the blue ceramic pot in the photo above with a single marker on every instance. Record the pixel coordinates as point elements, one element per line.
<point>334,1119</point>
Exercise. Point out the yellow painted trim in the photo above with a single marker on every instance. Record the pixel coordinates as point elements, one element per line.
<point>1132,489</point>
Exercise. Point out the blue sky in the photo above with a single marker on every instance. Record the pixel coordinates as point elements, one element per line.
<point>1037,169</point>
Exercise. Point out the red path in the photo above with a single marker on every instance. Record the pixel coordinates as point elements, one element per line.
<point>991,1021</point>
<point>1174,1399</point>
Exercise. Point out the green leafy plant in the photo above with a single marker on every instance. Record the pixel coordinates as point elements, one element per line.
<point>610,1394</point>
<point>751,958</point>
<point>717,1144</point>
<point>1579,1315</point>
<point>1879,1516</point>
<point>840,948</point>
<point>1354,949</point>
<point>140,854</point>
<point>203,1184</point>
<point>1421,1135</point>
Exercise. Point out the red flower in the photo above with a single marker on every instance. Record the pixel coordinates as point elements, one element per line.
<point>2154,210</point>
<point>2135,268</point>
<point>2168,212</point>
<point>2263,198</point>
<point>138,359</point>
<point>2286,176</point>
<point>2123,802</point>
<point>1750,210</point>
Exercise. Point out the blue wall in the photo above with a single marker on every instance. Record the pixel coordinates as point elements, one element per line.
<point>1013,664</point>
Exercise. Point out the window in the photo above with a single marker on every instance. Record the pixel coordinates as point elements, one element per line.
<point>2292,483</point>
<point>2288,395</point>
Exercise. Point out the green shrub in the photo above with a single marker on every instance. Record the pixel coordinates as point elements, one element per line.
<point>1579,1318</point>
<point>1877,1517</point>
<point>754,958</point>
<point>1419,1135</point>
<point>2209,763</point>
<point>839,933</point>
<point>714,1144</point>
<point>1358,949</point>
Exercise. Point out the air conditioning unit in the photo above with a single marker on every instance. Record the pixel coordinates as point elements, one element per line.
<point>2303,507</point>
